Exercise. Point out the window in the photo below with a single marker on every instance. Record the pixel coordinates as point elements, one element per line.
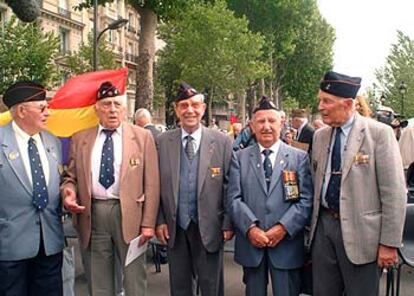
<point>64,40</point>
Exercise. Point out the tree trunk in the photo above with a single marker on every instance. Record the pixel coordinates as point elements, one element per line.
<point>144,79</point>
<point>241,98</point>
<point>210,94</point>
<point>262,88</point>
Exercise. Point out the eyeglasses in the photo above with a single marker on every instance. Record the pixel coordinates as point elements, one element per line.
<point>185,105</point>
<point>42,108</point>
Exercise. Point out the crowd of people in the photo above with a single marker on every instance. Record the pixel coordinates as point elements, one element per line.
<point>332,191</point>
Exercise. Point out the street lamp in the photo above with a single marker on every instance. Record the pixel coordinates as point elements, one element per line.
<point>403,89</point>
<point>112,26</point>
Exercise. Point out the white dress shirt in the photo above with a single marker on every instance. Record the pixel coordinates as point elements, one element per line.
<point>272,156</point>
<point>98,191</point>
<point>196,138</point>
<point>22,139</point>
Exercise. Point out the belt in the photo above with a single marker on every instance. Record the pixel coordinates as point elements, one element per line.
<point>331,212</point>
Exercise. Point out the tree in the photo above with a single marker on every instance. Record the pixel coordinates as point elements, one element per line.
<point>26,52</point>
<point>399,67</point>
<point>82,60</point>
<point>150,12</point>
<point>212,50</point>
<point>294,31</point>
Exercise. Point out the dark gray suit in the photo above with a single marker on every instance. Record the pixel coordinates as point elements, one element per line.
<point>253,203</point>
<point>204,238</point>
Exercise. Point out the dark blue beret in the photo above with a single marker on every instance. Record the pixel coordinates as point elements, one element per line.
<point>340,85</point>
<point>24,91</point>
<point>265,104</point>
<point>107,90</point>
<point>185,91</point>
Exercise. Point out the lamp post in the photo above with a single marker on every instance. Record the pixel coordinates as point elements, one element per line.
<point>112,26</point>
<point>403,89</point>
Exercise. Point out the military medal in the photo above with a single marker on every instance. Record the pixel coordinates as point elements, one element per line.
<point>13,155</point>
<point>290,186</point>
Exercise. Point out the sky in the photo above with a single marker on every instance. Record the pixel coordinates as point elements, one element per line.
<point>365,31</point>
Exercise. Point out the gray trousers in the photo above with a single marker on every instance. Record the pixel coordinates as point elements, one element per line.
<point>190,262</point>
<point>107,242</point>
<point>333,273</point>
<point>285,282</point>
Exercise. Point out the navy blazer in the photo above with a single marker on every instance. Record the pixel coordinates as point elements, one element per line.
<point>252,203</point>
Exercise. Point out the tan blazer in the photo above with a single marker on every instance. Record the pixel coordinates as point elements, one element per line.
<point>373,191</point>
<point>139,181</point>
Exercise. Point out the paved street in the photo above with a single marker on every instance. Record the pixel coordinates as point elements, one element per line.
<point>158,282</point>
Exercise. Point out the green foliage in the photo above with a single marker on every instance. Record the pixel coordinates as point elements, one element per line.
<point>299,44</point>
<point>399,67</point>
<point>27,53</point>
<point>82,60</point>
<point>211,49</point>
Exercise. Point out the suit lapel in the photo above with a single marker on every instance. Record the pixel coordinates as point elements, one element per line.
<point>355,139</point>
<point>280,164</point>
<point>174,152</point>
<point>88,142</point>
<point>257,167</point>
<point>206,151</point>
<point>127,137</point>
<point>12,154</point>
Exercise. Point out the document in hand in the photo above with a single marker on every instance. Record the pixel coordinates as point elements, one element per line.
<point>134,251</point>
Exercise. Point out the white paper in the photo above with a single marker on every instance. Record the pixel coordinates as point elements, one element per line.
<point>134,251</point>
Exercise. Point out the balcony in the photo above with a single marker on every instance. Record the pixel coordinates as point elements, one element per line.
<point>66,13</point>
<point>131,58</point>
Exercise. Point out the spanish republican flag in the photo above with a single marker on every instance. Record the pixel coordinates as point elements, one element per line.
<point>72,108</point>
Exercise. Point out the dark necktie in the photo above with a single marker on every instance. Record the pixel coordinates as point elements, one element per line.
<point>267,166</point>
<point>189,147</point>
<point>106,171</point>
<point>40,195</point>
<point>334,185</point>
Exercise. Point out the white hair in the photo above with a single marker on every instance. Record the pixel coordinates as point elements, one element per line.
<point>142,112</point>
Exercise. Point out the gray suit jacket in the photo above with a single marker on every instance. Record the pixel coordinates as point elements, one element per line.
<point>373,192</point>
<point>19,220</point>
<point>215,155</point>
<point>252,203</point>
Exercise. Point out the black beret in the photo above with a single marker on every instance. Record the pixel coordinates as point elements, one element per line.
<point>265,104</point>
<point>107,90</point>
<point>340,85</point>
<point>24,91</point>
<point>185,91</point>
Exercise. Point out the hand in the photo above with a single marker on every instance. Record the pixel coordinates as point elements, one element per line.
<point>387,256</point>
<point>146,234</point>
<point>70,202</point>
<point>162,233</point>
<point>257,237</point>
<point>275,235</point>
<point>227,235</point>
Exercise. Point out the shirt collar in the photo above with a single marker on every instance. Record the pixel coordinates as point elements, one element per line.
<point>21,134</point>
<point>118,130</point>
<point>346,127</point>
<point>274,148</point>
<point>196,134</point>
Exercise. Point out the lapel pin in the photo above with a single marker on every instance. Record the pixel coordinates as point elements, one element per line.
<point>13,155</point>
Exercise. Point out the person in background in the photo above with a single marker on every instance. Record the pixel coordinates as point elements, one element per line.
<point>360,195</point>
<point>289,136</point>
<point>318,123</point>
<point>304,129</point>
<point>31,233</point>
<point>271,192</point>
<point>194,215</point>
<point>111,187</point>
<point>362,106</point>
<point>143,119</point>
<point>236,130</point>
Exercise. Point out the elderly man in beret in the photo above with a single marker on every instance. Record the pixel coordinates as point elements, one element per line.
<point>31,233</point>
<point>194,218</point>
<point>360,195</point>
<point>271,191</point>
<point>112,188</point>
